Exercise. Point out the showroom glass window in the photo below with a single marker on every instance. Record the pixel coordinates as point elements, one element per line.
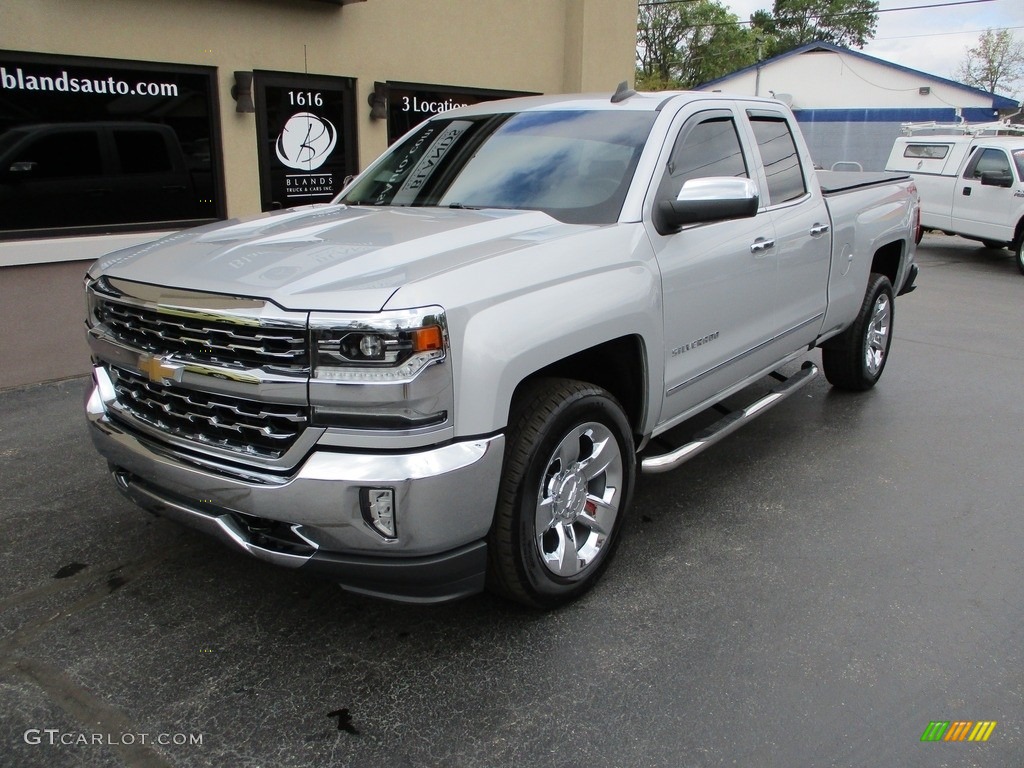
<point>103,145</point>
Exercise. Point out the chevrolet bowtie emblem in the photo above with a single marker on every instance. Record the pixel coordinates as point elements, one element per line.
<point>158,369</point>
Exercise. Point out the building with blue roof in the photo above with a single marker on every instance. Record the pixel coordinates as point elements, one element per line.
<point>852,106</point>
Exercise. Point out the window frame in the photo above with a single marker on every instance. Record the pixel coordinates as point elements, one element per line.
<point>755,116</point>
<point>925,151</point>
<point>971,170</point>
<point>340,104</point>
<point>692,122</point>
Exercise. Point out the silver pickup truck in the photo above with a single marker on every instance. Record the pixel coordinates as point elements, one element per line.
<point>449,378</point>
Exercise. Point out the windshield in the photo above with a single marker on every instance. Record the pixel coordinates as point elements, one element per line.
<point>575,166</point>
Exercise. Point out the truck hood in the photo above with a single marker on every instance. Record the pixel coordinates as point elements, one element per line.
<point>329,257</point>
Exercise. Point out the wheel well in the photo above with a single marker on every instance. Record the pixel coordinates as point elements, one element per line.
<point>887,261</point>
<point>616,365</point>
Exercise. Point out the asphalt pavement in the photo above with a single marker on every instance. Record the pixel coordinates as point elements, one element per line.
<point>816,590</point>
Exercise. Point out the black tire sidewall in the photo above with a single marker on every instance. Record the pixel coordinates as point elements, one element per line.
<point>844,358</point>
<point>590,405</point>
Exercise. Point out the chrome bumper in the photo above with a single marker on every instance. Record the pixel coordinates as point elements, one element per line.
<point>311,517</point>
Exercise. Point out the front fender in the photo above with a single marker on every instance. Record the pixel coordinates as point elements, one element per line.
<point>505,343</point>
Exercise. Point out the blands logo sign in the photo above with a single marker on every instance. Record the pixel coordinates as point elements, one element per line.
<point>306,141</point>
<point>958,730</point>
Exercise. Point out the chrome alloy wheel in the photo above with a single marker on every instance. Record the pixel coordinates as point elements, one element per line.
<point>578,500</point>
<point>877,342</point>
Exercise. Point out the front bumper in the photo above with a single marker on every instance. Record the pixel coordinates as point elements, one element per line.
<point>311,518</point>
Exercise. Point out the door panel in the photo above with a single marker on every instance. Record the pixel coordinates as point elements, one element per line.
<point>802,231</point>
<point>718,279</point>
<point>981,210</point>
<point>804,241</point>
<point>719,300</point>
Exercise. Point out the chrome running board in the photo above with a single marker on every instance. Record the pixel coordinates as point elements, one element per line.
<point>652,465</point>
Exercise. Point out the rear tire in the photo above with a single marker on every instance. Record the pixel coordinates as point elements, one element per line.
<point>565,488</point>
<point>855,359</point>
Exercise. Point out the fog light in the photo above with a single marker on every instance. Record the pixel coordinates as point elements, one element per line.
<point>378,508</point>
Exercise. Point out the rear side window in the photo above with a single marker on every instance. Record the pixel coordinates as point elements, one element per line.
<point>926,151</point>
<point>706,146</point>
<point>780,158</point>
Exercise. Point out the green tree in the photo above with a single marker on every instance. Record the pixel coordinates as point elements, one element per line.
<point>680,45</point>
<point>792,23</point>
<point>995,64</point>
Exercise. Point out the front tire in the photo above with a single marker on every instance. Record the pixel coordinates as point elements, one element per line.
<point>855,359</point>
<point>566,485</point>
<point>1018,253</point>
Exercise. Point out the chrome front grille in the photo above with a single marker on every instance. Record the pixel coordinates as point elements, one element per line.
<point>192,336</point>
<point>219,374</point>
<point>244,427</point>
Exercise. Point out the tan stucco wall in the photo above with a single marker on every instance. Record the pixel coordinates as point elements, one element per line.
<point>42,311</point>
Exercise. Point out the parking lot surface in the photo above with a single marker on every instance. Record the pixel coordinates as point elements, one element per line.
<point>814,591</point>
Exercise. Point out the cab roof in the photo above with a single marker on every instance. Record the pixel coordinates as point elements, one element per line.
<point>634,101</point>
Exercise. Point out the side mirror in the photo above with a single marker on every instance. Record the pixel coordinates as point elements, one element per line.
<point>996,179</point>
<point>701,201</point>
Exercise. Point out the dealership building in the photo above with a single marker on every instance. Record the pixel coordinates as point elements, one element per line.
<point>122,120</point>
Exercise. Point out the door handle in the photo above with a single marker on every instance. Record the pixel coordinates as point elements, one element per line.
<point>819,229</point>
<point>967,191</point>
<point>760,246</point>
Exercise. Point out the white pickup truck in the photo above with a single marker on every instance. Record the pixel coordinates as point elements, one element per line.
<point>972,186</point>
<point>449,378</point>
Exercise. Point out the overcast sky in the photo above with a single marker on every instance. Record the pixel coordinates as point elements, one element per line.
<point>933,39</point>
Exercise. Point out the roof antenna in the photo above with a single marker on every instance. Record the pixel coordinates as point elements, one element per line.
<point>622,93</point>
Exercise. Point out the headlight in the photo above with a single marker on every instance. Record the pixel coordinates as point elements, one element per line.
<point>389,348</point>
<point>381,372</point>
